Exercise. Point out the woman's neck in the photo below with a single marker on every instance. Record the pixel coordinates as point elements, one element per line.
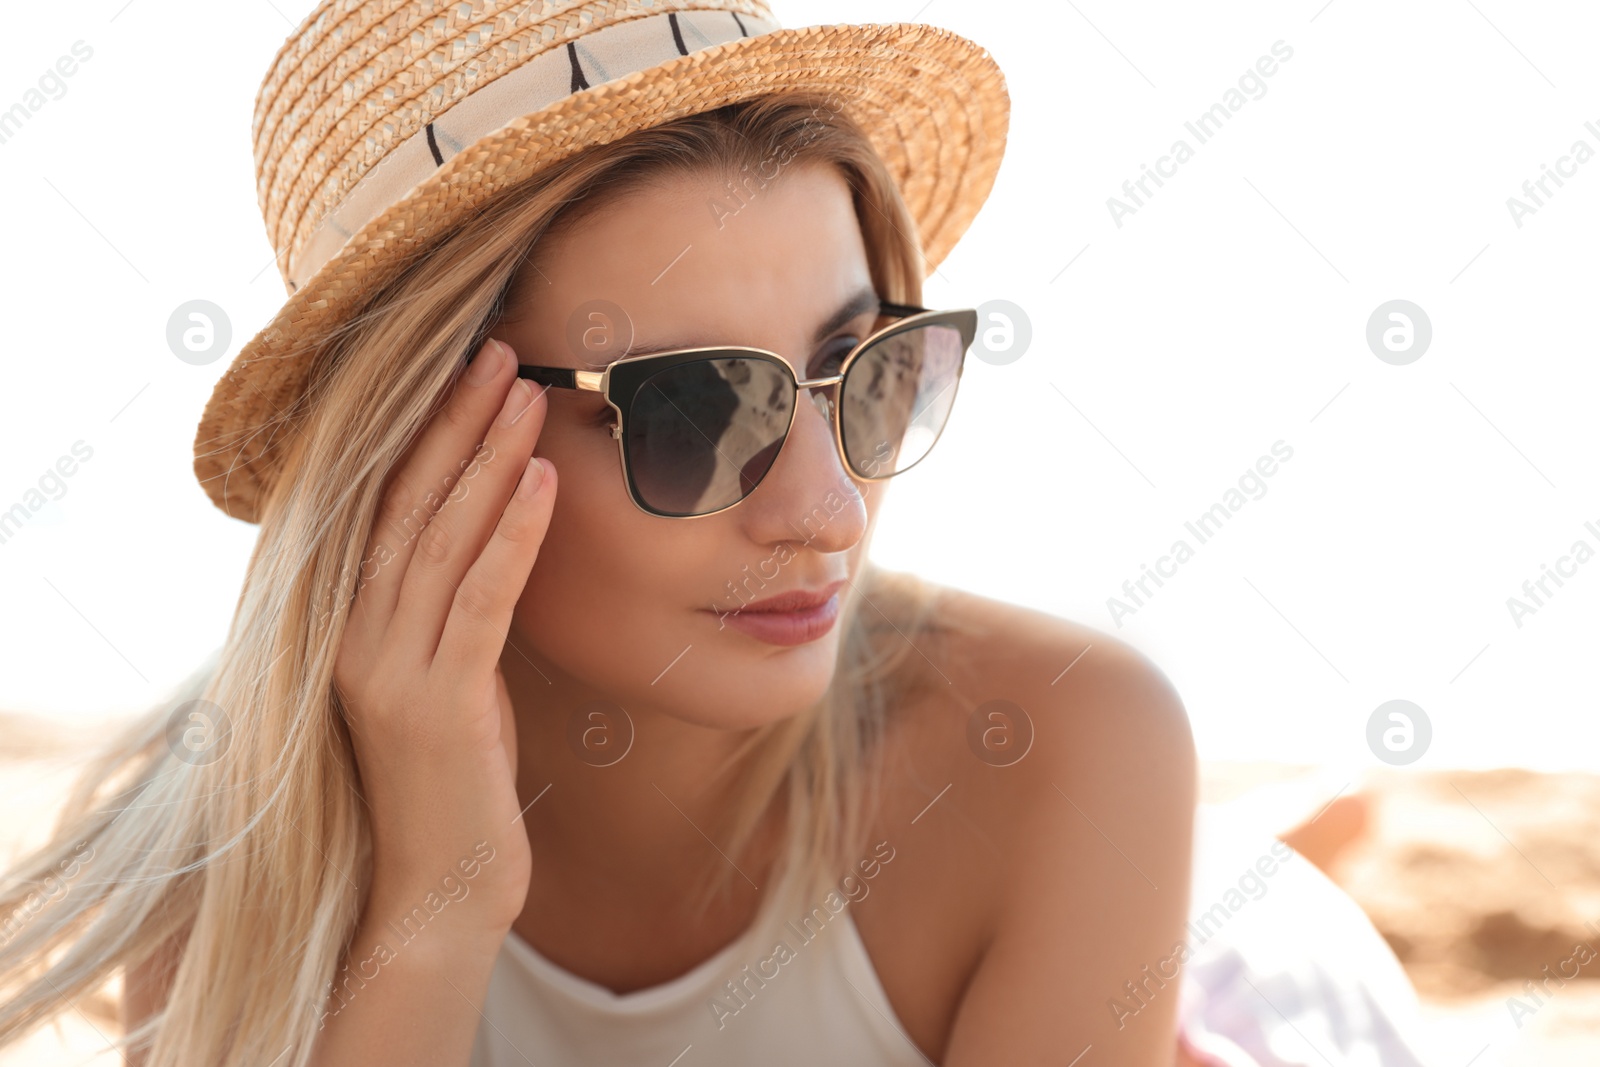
<point>638,797</point>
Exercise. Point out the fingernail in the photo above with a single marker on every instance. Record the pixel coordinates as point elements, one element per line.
<point>517,402</point>
<point>532,476</point>
<point>487,361</point>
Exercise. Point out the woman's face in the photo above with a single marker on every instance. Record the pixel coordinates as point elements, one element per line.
<point>628,603</point>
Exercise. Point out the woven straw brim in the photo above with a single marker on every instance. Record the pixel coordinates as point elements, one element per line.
<point>933,103</point>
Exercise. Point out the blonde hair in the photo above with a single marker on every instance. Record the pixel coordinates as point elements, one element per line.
<point>260,860</point>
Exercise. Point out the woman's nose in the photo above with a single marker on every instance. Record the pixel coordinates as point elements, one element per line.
<point>808,493</point>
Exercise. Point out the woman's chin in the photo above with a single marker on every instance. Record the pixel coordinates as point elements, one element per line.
<point>754,690</point>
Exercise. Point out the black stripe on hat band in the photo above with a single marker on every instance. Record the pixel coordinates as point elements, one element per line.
<point>578,80</point>
<point>677,34</point>
<point>737,21</point>
<point>433,146</point>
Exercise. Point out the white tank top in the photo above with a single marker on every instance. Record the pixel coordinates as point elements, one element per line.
<point>784,992</point>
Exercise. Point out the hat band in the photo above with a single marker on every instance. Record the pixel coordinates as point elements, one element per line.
<point>602,55</point>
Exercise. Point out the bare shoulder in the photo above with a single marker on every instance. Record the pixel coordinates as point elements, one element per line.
<point>1042,794</point>
<point>1053,711</point>
<point>1068,682</point>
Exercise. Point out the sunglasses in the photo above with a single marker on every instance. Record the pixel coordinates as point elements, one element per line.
<point>699,428</point>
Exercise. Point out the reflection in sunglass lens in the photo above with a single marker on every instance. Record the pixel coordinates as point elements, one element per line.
<point>897,397</point>
<point>702,434</point>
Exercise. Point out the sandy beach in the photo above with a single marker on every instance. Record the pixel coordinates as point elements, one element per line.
<point>1486,884</point>
<point>1478,880</point>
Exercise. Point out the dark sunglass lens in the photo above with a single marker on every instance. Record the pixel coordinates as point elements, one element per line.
<point>702,434</point>
<point>897,397</point>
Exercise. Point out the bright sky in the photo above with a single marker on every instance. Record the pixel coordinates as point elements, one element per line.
<point>1172,347</point>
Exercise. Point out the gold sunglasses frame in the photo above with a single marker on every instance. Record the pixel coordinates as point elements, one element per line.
<point>635,370</point>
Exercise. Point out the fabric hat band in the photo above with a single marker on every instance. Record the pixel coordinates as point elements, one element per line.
<point>601,55</point>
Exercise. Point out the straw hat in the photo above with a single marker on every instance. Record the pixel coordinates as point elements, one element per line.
<point>384,123</point>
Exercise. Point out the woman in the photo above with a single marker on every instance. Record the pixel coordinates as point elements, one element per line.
<point>564,718</point>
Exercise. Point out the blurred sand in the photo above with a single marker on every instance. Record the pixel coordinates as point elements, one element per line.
<point>1478,880</point>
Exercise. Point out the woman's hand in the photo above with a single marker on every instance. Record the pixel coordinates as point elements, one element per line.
<point>418,667</point>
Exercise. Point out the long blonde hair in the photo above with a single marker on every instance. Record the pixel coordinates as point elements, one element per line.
<point>259,861</point>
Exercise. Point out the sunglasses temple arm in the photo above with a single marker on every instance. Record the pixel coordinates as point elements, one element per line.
<point>559,377</point>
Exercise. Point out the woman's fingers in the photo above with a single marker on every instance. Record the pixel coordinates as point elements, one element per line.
<point>411,718</point>
<point>456,534</point>
<point>425,477</point>
<point>480,616</point>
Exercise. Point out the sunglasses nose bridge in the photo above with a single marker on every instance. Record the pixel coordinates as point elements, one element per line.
<point>824,392</point>
<point>826,397</point>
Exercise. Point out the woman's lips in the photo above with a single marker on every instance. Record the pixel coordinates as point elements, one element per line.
<point>794,627</point>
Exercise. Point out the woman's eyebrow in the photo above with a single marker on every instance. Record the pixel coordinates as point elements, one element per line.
<point>862,301</point>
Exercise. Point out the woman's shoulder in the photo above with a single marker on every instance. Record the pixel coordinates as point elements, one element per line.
<point>1020,708</point>
<point>1043,773</point>
<point>994,650</point>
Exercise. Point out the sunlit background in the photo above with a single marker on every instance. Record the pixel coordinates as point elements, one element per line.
<point>1162,353</point>
<point>1145,355</point>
